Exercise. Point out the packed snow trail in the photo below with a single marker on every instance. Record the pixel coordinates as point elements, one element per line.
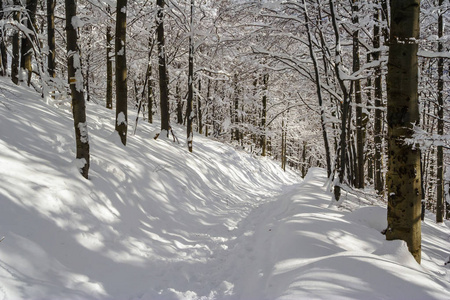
<point>304,248</point>
<point>157,222</point>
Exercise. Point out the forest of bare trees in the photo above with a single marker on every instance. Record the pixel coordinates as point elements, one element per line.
<point>309,83</point>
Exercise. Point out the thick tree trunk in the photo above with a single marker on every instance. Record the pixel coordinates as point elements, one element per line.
<point>163,77</point>
<point>76,88</point>
<point>121,71</point>
<point>440,126</point>
<point>403,177</point>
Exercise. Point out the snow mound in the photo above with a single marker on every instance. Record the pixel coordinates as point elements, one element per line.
<point>397,251</point>
<point>370,216</point>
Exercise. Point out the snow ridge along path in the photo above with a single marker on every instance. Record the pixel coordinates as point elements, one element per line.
<point>314,250</point>
<point>157,222</point>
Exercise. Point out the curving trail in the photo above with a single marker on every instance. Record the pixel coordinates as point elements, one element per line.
<point>157,222</point>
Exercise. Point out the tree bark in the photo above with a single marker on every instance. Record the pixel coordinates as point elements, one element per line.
<point>199,108</point>
<point>3,51</point>
<point>51,38</point>
<point>378,114</point>
<point>180,104</point>
<point>190,97</point>
<point>319,87</point>
<point>121,71</point>
<point>403,176</point>
<point>264,114</point>
<point>163,77</point>
<point>440,209</point>
<point>76,88</point>
<point>359,171</point>
<point>15,61</point>
<point>150,82</point>
<point>235,111</point>
<point>344,107</point>
<point>30,23</point>
<point>109,65</point>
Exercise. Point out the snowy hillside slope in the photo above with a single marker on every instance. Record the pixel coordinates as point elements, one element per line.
<point>157,222</point>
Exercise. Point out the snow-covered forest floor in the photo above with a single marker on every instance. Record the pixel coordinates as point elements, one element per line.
<point>157,222</point>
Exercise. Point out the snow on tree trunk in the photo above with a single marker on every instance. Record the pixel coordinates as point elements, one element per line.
<point>121,71</point>
<point>76,88</point>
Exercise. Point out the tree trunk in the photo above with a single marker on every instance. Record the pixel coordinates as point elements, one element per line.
<point>208,104</point>
<point>51,38</point>
<point>264,114</point>
<point>369,150</point>
<point>403,177</point>
<point>378,134</point>
<point>236,108</point>
<point>199,108</point>
<point>76,88</point>
<point>16,46</point>
<point>180,104</point>
<point>318,91</point>
<point>359,171</point>
<point>30,23</point>
<point>440,126</point>
<point>109,65</point>
<point>150,82</point>
<point>121,71</point>
<point>88,73</point>
<point>283,144</point>
<point>190,97</point>
<point>163,78</point>
<point>344,107</point>
<point>304,163</point>
<point>3,51</point>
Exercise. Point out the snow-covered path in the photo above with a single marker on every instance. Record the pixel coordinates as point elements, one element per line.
<point>157,222</point>
<point>305,248</point>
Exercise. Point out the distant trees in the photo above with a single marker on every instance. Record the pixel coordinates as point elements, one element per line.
<point>303,82</point>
